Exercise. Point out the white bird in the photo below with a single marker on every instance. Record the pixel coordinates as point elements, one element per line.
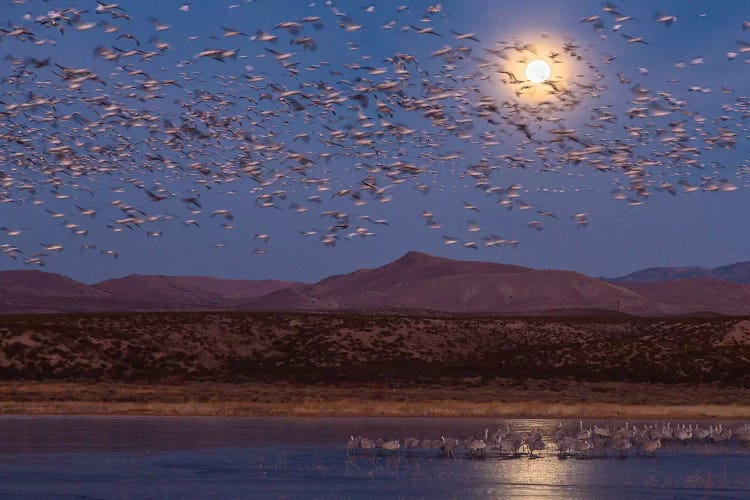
<point>476,447</point>
<point>447,446</point>
<point>352,444</point>
<point>601,432</point>
<point>411,443</point>
<point>583,446</point>
<point>391,445</point>
<point>535,443</point>
<point>366,444</point>
<point>651,446</point>
<point>622,445</point>
<point>583,435</point>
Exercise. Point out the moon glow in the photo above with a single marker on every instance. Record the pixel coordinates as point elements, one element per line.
<point>537,71</point>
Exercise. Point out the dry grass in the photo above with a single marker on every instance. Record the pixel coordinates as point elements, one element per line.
<point>330,348</point>
<point>365,408</point>
<point>590,401</point>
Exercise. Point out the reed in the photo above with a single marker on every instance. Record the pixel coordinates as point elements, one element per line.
<point>620,401</point>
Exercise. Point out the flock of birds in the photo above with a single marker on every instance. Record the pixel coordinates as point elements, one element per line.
<point>582,442</point>
<point>154,132</point>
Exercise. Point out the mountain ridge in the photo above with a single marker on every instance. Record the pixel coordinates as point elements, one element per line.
<point>738,272</point>
<point>414,282</point>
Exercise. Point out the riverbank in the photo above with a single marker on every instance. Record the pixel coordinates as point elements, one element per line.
<point>501,399</point>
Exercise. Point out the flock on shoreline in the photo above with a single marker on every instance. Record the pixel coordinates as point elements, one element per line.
<point>580,442</point>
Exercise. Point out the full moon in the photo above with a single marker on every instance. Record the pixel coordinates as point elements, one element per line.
<point>537,71</point>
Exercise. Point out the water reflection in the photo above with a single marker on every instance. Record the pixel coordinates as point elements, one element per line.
<point>241,457</point>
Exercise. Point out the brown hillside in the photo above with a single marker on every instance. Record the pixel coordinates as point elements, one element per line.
<point>417,283</point>
<point>697,294</point>
<point>188,289</point>
<point>333,348</point>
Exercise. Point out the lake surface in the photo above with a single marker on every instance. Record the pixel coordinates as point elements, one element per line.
<point>178,457</point>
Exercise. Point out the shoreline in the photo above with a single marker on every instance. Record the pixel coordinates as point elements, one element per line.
<point>368,409</point>
<point>503,399</point>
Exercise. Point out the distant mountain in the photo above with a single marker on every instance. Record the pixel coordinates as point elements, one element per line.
<point>416,282</point>
<point>739,272</point>
<point>188,289</point>
<point>43,285</point>
<point>697,295</point>
<point>37,291</point>
<point>736,273</point>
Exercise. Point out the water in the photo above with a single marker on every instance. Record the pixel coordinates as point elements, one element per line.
<point>168,457</point>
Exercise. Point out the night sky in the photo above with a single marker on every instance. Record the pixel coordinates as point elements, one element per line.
<point>634,221</point>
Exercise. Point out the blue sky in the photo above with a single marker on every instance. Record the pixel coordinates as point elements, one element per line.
<point>699,228</point>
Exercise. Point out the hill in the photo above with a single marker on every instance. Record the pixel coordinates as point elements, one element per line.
<point>696,294</point>
<point>352,348</point>
<point>738,272</point>
<point>188,290</point>
<point>419,281</point>
<point>41,292</point>
<point>416,283</point>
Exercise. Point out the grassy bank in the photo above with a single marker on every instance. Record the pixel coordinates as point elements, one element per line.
<point>528,399</point>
